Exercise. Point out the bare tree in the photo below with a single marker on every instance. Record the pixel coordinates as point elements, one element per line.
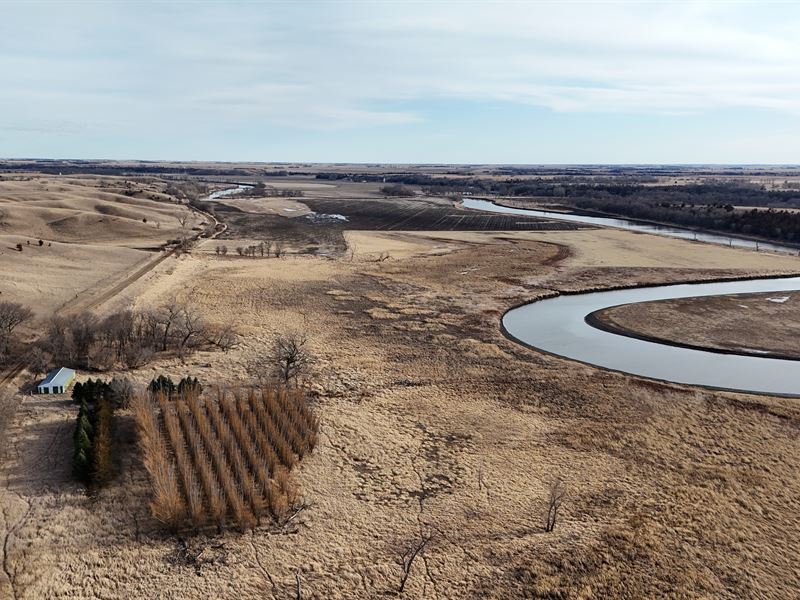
<point>190,328</point>
<point>137,355</point>
<point>12,315</point>
<point>224,250</point>
<point>289,357</point>
<point>278,249</point>
<point>554,500</point>
<point>225,337</point>
<point>39,361</point>
<point>83,330</point>
<point>416,548</point>
<point>166,319</point>
<point>186,241</point>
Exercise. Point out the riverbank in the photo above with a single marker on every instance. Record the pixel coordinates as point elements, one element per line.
<point>557,325</point>
<point>758,325</point>
<point>644,226</point>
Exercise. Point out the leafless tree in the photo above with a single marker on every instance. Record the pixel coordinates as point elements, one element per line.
<point>122,392</point>
<point>166,318</point>
<point>554,500</point>
<point>137,355</point>
<point>186,241</point>
<point>12,315</point>
<point>38,361</point>
<point>83,330</point>
<point>289,357</point>
<point>190,328</point>
<point>416,548</point>
<point>278,249</point>
<point>183,220</point>
<point>225,337</point>
<point>239,250</point>
<point>224,250</point>
<point>118,331</point>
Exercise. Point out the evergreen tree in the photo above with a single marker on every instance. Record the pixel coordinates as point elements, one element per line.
<point>78,393</point>
<point>189,384</point>
<point>162,383</point>
<point>103,441</point>
<point>81,458</point>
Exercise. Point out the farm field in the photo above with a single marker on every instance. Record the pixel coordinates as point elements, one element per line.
<point>322,229</point>
<point>760,324</point>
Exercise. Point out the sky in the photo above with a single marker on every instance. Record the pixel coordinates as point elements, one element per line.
<point>561,82</point>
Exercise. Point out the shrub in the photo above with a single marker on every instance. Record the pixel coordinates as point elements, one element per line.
<point>162,383</point>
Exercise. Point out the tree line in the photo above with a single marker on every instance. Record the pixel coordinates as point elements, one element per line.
<point>774,224</point>
<point>93,455</point>
<point>126,338</point>
<point>262,190</point>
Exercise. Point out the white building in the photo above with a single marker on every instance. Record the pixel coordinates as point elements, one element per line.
<point>57,381</point>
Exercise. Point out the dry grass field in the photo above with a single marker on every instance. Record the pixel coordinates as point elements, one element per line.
<point>757,324</point>
<point>94,230</point>
<point>432,424</point>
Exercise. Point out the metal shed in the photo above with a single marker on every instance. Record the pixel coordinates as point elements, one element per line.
<point>57,381</point>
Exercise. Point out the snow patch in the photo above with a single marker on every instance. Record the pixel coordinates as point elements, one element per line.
<point>322,217</point>
<point>779,300</point>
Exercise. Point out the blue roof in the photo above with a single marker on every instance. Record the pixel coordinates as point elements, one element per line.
<point>58,377</point>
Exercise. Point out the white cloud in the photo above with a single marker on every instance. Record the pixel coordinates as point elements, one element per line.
<point>338,65</point>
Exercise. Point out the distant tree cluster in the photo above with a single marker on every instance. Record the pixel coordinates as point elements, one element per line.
<point>397,190</point>
<point>262,190</point>
<point>262,249</point>
<point>775,224</point>
<point>186,190</point>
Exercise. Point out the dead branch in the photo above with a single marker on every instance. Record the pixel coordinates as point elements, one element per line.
<point>417,548</point>
<point>554,500</point>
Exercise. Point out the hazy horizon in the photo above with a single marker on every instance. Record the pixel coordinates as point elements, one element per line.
<point>404,83</point>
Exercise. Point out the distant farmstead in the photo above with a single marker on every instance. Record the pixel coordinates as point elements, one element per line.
<point>57,381</point>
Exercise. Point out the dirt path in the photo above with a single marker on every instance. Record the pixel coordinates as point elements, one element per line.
<point>80,304</point>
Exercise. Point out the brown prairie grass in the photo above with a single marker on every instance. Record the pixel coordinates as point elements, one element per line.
<point>225,459</point>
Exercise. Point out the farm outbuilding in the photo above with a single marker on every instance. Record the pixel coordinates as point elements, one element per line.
<point>56,382</point>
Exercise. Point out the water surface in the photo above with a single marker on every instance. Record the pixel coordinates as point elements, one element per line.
<point>558,325</point>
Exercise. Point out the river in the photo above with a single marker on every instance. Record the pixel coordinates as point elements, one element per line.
<point>686,234</point>
<point>558,326</point>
